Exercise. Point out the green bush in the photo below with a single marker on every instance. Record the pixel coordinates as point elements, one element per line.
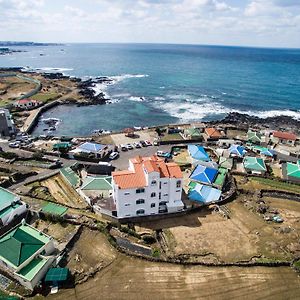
<point>156,252</point>
<point>8,155</point>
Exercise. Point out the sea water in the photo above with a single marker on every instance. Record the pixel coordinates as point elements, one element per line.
<point>160,84</point>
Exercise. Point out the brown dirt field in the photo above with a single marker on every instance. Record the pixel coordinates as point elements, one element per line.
<point>129,278</point>
<point>63,192</point>
<point>225,239</point>
<point>93,250</point>
<point>60,233</point>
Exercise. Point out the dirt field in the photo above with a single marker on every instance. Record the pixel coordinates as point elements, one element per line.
<point>15,88</point>
<point>90,251</point>
<point>129,278</point>
<point>60,233</point>
<point>63,192</point>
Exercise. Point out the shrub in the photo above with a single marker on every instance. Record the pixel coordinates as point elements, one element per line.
<point>149,239</point>
<point>156,252</point>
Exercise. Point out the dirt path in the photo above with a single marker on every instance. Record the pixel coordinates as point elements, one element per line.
<point>129,278</point>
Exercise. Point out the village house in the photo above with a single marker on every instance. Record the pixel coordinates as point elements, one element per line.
<point>192,133</point>
<point>150,186</point>
<point>26,254</point>
<point>11,207</point>
<point>212,134</point>
<point>26,104</point>
<point>254,165</point>
<point>286,138</point>
<point>291,171</point>
<point>255,137</point>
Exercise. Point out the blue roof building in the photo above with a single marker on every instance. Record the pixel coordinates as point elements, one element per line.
<point>204,174</point>
<point>237,150</point>
<point>91,147</point>
<point>203,193</point>
<point>197,152</point>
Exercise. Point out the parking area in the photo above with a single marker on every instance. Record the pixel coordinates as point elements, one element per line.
<point>140,135</point>
<point>122,162</point>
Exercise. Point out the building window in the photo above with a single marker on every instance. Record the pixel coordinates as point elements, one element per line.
<point>178,191</point>
<point>127,215</point>
<point>159,196</point>
<point>152,205</point>
<point>140,201</point>
<point>160,185</point>
<point>165,183</point>
<point>127,204</point>
<point>140,212</point>
<point>153,182</point>
<point>153,195</point>
<point>141,190</point>
<point>127,193</point>
<point>165,195</point>
<point>178,184</point>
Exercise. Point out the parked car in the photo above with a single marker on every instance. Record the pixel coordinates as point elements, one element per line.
<point>137,145</point>
<point>129,146</point>
<point>14,144</point>
<point>114,155</point>
<point>148,143</point>
<point>123,147</point>
<point>143,143</point>
<point>156,142</point>
<point>163,154</point>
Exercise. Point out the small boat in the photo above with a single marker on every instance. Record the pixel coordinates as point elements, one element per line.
<point>52,128</point>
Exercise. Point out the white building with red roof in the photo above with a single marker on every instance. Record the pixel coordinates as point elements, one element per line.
<point>150,186</point>
<point>26,103</point>
<point>281,137</point>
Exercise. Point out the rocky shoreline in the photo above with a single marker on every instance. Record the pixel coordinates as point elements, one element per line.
<point>8,51</point>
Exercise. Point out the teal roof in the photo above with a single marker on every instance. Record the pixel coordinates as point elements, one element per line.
<point>21,243</point>
<point>194,132</point>
<point>254,164</point>
<point>9,209</point>
<point>57,274</point>
<point>254,136</point>
<point>293,170</point>
<point>97,183</point>
<point>54,209</point>
<point>33,268</point>
<point>64,145</point>
<point>6,198</point>
<point>70,176</point>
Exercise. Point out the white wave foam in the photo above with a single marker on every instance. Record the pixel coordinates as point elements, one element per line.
<point>159,98</point>
<point>119,78</point>
<point>48,69</point>
<point>137,99</point>
<point>188,111</point>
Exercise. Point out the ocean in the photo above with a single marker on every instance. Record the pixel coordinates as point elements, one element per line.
<point>160,84</point>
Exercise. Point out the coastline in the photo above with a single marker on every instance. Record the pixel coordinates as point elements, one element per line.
<point>89,96</point>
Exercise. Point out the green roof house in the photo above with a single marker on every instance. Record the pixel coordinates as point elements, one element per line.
<point>254,137</point>
<point>254,165</point>
<point>25,253</point>
<point>293,171</point>
<point>192,134</point>
<point>94,187</point>
<point>11,207</point>
<point>226,162</point>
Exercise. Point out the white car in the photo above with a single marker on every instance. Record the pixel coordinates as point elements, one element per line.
<point>114,155</point>
<point>14,145</point>
<point>123,147</point>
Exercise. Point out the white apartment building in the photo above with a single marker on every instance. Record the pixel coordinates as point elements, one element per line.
<point>149,187</point>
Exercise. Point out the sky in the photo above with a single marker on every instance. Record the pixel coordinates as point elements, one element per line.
<point>265,23</point>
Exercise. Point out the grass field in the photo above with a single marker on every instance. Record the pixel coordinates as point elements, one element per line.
<point>45,97</point>
<point>274,184</point>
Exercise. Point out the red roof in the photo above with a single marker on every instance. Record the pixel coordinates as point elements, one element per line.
<point>23,101</point>
<point>137,179</point>
<point>285,135</point>
<point>213,132</point>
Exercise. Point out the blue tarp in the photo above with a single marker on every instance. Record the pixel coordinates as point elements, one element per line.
<point>204,193</point>
<point>204,174</point>
<point>237,150</point>
<point>91,147</point>
<point>198,152</point>
<point>267,152</point>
